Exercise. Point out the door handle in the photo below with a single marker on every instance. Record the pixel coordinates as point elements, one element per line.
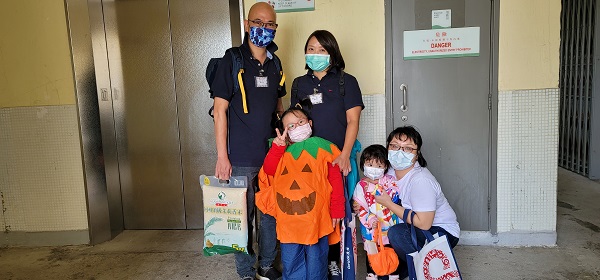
<point>404,90</point>
<point>104,94</point>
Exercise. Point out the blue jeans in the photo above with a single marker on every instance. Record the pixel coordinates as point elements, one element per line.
<point>267,244</point>
<point>400,239</point>
<point>301,262</point>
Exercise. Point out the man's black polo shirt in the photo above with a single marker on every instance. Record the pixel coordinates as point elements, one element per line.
<point>248,133</point>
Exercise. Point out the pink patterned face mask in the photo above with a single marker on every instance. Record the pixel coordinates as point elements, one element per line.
<point>300,133</point>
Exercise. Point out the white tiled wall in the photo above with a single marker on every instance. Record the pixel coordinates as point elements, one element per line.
<point>41,178</point>
<point>372,121</point>
<point>527,159</point>
<point>527,155</point>
<point>41,169</point>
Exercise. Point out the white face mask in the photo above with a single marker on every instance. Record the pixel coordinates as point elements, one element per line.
<point>300,133</point>
<point>400,160</point>
<point>373,173</point>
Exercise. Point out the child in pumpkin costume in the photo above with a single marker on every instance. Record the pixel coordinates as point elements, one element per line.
<point>374,164</point>
<point>304,192</point>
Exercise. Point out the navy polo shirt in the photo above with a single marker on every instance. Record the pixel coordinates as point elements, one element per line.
<point>329,117</point>
<point>248,134</point>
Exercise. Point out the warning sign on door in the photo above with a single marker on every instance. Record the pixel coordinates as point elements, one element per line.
<point>440,43</point>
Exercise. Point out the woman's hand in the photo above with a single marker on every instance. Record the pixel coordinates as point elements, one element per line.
<point>383,198</point>
<point>344,163</point>
<point>422,220</point>
<point>281,139</point>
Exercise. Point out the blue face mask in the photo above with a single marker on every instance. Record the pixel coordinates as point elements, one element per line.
<point>400,160</point>
<point>317,62</point>
<point>261,36</point>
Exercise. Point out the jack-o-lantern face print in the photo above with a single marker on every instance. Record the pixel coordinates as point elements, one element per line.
<point>300,199</point>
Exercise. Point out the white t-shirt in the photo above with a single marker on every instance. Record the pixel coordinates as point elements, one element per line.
<point>421,192</point>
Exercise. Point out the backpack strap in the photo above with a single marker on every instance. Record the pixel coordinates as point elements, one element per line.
<point>279,70</point>
<point>241,83</point>
<point>295,90</point>
<point>236,71</point>
<point>342,82</point>
<point>237,65</point>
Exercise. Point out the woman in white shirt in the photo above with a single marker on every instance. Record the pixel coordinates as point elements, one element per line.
<point>419,192</point>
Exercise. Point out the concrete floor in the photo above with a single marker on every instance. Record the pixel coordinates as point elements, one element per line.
<point>174,254</point>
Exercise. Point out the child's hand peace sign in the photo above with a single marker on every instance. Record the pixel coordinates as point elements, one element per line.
<point>281,139</point>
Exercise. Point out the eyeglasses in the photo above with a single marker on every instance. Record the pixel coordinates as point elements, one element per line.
<point>293,126</point>
<point>269,25</point>
<point>404,149</point>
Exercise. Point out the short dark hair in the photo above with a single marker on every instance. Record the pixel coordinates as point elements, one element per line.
<point>414,135</point>
<point>376,152</point>
<point>327,40</point>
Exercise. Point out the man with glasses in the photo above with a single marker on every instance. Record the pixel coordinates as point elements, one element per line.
<point>243,125</point>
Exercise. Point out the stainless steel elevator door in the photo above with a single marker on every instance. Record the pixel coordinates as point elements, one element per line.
<point>157,51</point>
<point>200,29</point>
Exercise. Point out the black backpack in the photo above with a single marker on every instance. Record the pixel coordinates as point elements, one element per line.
<point>236,72</point>
<point>341,84</point>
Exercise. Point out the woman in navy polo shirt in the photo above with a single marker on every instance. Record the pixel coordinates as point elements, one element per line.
<point>336,103</point>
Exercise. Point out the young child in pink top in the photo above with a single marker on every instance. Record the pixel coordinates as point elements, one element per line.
<point>374,164</point>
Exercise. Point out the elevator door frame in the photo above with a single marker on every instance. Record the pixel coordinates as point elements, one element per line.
<point>89,53</point>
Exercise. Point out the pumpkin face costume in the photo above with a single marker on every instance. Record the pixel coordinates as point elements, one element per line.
<point>298,194</point>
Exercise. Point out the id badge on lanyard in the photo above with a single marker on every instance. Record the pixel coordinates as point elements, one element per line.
<point>316,97</point>
<point>261,81</point>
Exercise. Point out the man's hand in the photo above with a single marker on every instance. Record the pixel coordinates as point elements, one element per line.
<point>281,139</point>
<point>223,169</point>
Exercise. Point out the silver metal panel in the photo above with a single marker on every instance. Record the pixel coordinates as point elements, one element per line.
<point>89,121</point>
<point>494,118</point>
<point>145,111</point>
<point>576,72</point>
<point>449,102</point>
<point>594,111</point>
<point>107,122</point>
<point>574,89</point>
<point>389,61</point>
<point>236,21</point>
<point>200,30</point>
<point>587,70</point>
<point>562,82</point>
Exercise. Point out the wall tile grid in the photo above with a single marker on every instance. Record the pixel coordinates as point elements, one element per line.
<point>372,121</point>
<point>527,160</point>
<point>41,167</point>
